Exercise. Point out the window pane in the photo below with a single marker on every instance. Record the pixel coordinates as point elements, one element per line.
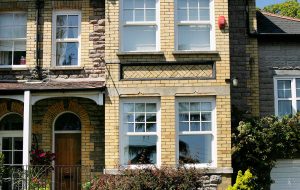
<point>151,117</point>
<point>6,19</point>
<point>195,117</point>
<point>140,117</point>
<point>6,52</point>
<point>150,3</point>
<point>193,37</point>
<point>206,106</point>
<point>67,53</point>
<point>206,126</point>
<point>182,15</point>
<point>129,117</point>
<point>184,126</point>
<point>139,4</point>
<point>67,122</point>
<point>61,32</point>
<point>61,20</point>
<point>182,4</point>
<point>298,87</point>
<point>284,89</point>
<point>128,107</point>
<point>139,38</point>
<point>204,3</point>
<point>205,116</point>
<point>193,14</point>
<point>19,32</point>
<point>129,127</point>
<point>139,15</point>
<point>7,157</point>
<point>151,107</point>
<point>7,143</point>
<point>151,127</point>
<point>6,32</point>
<point>140,150</point>
<point>73,32</point>
<point>11,122</point>
<point>298,105</point>
<point>139,107</point>
<point>73,20</point>
<point>150,15</point>
<point>195,126</point>
<point>195,149</point>
<point>204,14</point>
<point>193,3</point>
<point>128,4</point>
<point>140,127</point>
<point>195,106</point>
<point>128,16</point>
<point>184,117</point>
<point>183,106</point>
<point>284,107</point>
<point>18,143</point>
<point>18,157</point>
<point>20,19</point>
<point>20,53</point>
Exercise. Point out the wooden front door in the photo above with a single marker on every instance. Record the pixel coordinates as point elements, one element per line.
<point>68,161</point>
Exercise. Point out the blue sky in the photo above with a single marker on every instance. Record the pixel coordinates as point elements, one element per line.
<point>263,3</point>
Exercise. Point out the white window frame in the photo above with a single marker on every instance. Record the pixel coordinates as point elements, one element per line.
<point>294,97</point>
<point>211,24</point>
<point>123,132</point>
<point>140,23</point>
<point>54,40</point>
<point>16,39</point>
<point>213,131</point>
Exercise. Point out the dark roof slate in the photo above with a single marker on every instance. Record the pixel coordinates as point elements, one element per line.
<point>40,86</point>
<point>276,24</point>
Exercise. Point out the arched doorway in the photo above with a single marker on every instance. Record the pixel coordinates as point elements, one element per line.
<point>11,146</point>
<point>67,144</point>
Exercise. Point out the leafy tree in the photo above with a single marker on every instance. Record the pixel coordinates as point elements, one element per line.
<point>290,8</point>
<point>257,144</point>
<point>243,181</point>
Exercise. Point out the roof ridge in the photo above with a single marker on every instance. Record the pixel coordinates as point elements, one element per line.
<point>280,16</point>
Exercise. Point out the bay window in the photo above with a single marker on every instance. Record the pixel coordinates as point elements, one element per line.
<point>195,121</point>
<point>13,27</point>
<point>140,25</point>
<point>140,126</point>
<point>194,25</point>
<point>287,96</point>
<point>66,35</point>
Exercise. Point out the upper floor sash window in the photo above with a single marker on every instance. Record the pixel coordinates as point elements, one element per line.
<point>13,27</point>
<point>140,25</point>
<point>66,35</point>
<point>194,25</point>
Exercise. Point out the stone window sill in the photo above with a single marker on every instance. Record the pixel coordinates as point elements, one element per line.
<point>195,53</point>
<point>64,68</point>
<point>14,68</point>
<point>140,53</point>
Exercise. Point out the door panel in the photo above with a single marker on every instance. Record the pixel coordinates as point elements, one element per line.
<point>67,161</point>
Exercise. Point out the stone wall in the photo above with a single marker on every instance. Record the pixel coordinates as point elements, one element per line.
<point>244,57</point>
<point>274,55</point>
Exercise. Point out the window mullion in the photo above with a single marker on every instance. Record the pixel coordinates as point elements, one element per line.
<point>293,92</point>
<point>13,53</point>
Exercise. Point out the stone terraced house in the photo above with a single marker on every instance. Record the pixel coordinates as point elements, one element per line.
<point>155,89</point>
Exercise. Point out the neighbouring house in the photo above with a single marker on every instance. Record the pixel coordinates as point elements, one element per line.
<point>153,90</point>
<point>52,83</point>
<point>279,78</point>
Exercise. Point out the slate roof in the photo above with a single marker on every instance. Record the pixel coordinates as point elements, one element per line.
<point>50,85</point>
<point>276,24</point>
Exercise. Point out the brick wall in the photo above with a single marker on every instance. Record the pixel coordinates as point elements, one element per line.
<point>275,55</point>
<point>166,90</point>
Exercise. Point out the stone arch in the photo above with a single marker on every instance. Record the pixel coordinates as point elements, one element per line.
<point>47,124</point>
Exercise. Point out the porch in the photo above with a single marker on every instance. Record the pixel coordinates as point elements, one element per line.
<point>69,123</point>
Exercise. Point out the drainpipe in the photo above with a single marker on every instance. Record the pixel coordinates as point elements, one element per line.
<point>39,6</point>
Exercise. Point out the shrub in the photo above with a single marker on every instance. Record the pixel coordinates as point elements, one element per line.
<point>1,168</point>
<point>243,181</point>
<point>257,144</point>
<point>149,179</point>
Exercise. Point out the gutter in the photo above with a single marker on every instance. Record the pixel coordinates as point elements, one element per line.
<point>39,6</point>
